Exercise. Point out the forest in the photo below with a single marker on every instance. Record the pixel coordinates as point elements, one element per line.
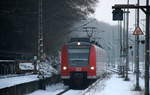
<point>19,22</point>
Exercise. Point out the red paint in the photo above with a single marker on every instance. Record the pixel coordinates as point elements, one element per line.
<point>92,61</point>
<point>64,61</point>
<point>76,69</point>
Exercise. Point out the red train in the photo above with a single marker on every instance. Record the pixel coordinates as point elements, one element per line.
<point>81,61</point>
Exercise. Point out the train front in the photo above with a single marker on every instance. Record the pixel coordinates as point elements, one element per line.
<point>76,66</point>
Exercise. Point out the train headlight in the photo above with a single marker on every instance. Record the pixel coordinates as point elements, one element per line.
<point>92,68</point>
<point>78,43</point>
<point>64,68</point>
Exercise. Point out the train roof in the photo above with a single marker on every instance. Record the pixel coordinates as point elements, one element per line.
<point>83,41</point>
<point>80,40</point>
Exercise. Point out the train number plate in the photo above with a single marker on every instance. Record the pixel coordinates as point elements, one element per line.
<point>78,69</point>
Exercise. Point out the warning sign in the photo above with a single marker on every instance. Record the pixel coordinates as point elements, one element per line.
<point>138,31</point>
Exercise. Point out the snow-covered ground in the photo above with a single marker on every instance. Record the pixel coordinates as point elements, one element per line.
<point>26,66</point>
<point>12,80</point>
<point>115,85</point>
<point>8,82</point>
<point>50,90</point>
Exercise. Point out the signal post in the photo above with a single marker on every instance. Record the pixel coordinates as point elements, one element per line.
<point>118,15</point>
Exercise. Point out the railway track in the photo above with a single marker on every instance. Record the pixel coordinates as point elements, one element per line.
<point>91,86</point>
<point>64,91</point>
<point>83,92</point>
<point>113,70</point>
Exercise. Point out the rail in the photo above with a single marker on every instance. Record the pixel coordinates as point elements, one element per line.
<point>113,70</point>
<point>64,91</point>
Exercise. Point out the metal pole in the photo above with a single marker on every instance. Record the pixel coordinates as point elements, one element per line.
<point>147,51</point>
<point>118,65</point>
<point>124,27</point>
<point>137,52</point>
<point>41,48</point>
<point>120,47</point>
<point>113,56</point>
<point>40,38</point>
<point>127,51</point>
<point>90,31</point>
<point>135,42</point>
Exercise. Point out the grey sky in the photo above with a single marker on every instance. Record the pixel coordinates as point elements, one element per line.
<point>104,11</point>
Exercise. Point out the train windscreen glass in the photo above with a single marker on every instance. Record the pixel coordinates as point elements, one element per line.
<point>78,56</point>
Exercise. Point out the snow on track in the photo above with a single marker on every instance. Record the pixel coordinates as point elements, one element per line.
<point>113,85</point>
<point>73,92</point>
<point>50,90</point>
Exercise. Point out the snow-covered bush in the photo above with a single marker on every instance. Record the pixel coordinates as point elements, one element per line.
<point>45,69</point>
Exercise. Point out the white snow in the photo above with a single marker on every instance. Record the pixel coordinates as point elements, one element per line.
<point>11,80</point>
<point>121,87</point>
<point>8,82</point>
<point>74,92</point>
<point>7,60</point>
<point>50,90</point>
<point>115,85</point>
<point>26,66</point>
<point>46,69</point>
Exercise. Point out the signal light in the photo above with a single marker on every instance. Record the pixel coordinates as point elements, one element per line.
<point>117,14</point>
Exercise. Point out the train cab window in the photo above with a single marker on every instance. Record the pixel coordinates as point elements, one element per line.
<point>78,56</point>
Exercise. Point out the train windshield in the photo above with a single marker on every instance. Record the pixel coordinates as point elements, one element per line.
<point>78,56</point>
